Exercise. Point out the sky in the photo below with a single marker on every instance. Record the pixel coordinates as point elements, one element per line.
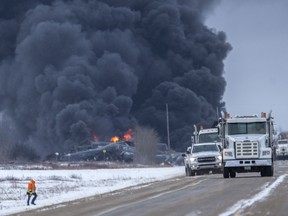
<point>256,69</point>
<point>58,186</point>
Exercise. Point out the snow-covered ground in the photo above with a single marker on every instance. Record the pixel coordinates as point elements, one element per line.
<point>57,186</point>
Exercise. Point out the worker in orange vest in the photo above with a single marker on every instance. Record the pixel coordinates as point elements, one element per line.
<point>31,191</point>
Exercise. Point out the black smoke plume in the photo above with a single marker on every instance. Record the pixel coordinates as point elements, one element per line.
<point>71,69</point>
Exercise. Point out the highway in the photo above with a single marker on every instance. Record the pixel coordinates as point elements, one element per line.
<point>247,194</point>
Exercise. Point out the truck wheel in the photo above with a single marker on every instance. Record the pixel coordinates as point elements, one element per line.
<point>226,172</point>
<point>269,171</point>
<point>186,171</point>
<point>263,172</point>
<point>189,171</point>
<point>193,173</point>
<point>232,174</point>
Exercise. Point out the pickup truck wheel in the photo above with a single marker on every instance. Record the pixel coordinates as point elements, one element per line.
<point>189,171</point>
<point>232,174</point>
<point>226,172</point>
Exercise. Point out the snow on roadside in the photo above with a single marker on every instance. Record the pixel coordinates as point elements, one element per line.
<point>243,204</point>
<point>57,186</point>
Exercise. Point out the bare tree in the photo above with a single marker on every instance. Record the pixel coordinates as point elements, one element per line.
<point>7,138</point>
<point>11,149</point>
<point>283,135</point>
<point>145,140</point>
<point>4,152</point>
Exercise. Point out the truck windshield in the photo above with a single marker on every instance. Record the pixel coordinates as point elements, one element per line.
<point>209,137</point>
<point>247,128</point>
<point>204,148</point>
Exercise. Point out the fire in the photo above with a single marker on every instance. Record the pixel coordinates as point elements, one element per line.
<point>95,138</point>
<point>128,135</point>
<point>114,139</point>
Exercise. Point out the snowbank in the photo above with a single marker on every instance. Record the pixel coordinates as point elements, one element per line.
<point>57,186</point>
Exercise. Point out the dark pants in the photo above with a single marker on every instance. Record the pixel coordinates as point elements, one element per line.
<point>33,200</point>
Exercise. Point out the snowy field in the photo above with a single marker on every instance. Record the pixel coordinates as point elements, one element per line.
<point>57,186</point>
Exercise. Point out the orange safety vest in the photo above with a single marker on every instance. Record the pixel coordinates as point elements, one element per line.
<point>31,186</point>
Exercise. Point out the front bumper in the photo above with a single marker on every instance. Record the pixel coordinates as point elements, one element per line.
<point>248,162</point>
<point>206,166</point>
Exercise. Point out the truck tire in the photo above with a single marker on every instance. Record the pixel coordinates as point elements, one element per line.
<point>270,171</point>
<point>263,172</point>
<point>226,172</point>
<point>186,170</point>
<point>232,174</point>
<point>189,171</point>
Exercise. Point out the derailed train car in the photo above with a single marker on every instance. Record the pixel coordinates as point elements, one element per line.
<point>119,151</point>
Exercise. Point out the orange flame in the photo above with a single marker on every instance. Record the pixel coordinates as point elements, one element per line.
<point>114,139</point>
<point>128,135</point>
<point>95,138</point>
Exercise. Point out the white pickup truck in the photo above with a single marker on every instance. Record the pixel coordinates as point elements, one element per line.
<point>282,149</point>
<point>202,158</point>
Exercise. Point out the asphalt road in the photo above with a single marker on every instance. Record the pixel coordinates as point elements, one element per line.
<point>247,194</point>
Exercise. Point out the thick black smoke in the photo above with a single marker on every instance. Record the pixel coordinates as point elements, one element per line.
<point>71,69</point>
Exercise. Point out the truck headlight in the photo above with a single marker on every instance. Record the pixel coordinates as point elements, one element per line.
<point>219,157</point>
<point>193,159</point>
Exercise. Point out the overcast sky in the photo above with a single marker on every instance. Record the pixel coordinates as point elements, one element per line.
<point>256,70</point>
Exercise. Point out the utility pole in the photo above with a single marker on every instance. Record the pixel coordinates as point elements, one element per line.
<point>168,134</point>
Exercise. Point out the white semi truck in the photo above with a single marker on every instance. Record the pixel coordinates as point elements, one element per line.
<point>247,144</point>
<point>207,135</point>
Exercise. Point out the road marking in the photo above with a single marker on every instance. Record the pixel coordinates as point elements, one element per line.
<point>164,193</point>
<point>149,198</point>
<point>242,204</point>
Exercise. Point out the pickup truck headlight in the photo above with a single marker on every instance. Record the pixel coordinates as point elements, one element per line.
<point>193,159</point>
<point>219,157</point>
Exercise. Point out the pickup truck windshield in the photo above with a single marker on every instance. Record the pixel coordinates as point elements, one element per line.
<point>204,148</point>
<point>247,128</point>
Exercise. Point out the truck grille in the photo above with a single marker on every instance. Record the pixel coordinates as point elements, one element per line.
<point>246,150</point>
<point>206,159</point>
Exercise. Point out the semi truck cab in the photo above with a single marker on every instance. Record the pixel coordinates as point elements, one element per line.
<point>247,144</point>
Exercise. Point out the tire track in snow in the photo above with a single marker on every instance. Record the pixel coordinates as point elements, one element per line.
<point>242,204</point>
